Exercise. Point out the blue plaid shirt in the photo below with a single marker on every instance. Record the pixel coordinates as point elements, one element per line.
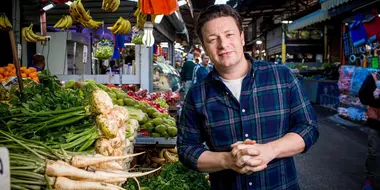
<point>272,104</point>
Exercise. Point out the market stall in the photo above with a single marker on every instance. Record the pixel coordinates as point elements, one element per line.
<point>69,126</point>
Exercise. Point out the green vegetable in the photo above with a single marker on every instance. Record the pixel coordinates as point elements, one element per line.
<point>155,135</point>
<point>104,52</point>
<point>173,176</point>
<point>172,131</point>
<point>158,121</point>
<point>136,114</point>
<point>160,129</point>
<point>120,102</point>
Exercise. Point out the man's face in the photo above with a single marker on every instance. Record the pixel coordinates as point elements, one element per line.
<point>205,59</point>
<point>223,42</point>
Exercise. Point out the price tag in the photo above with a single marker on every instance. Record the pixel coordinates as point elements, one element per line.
<point>5,178</point>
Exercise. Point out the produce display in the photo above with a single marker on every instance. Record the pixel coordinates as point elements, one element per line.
<point>10,71</point>
<point>173,176</point>
<point>29,36</point>
<point>155,121</point>
<point>67,136</point>
<point>5,24</point>
<point>155,158</point>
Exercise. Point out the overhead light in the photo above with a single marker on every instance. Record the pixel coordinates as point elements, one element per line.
<point>259,42</point>
<point>134,0</point>
<point>217,2</point>
<point>158,19</point>
<point>182,3</point>
<point>48,6</point>
<point>286,21</point>
<point>346,24</point>
<point>68,3</point>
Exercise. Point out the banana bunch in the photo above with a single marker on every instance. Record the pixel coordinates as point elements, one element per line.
<point>156,158</point>
<point>110,5</point>
<point>122,26</point>
<point>64,23</point>
<point>91,24</point>
<point>30,36</point>
<point>4,22</point>
<point>77,11</point>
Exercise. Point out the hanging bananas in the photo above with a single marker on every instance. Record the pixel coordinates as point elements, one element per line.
<point>30,36</point>
<point>122,26</point>
<point>79,14</point>
<point>110,5</point>
<point>64,23</point>
<point>4,22</point>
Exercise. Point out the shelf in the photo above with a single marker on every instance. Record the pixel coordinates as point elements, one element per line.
<point>156,141</point>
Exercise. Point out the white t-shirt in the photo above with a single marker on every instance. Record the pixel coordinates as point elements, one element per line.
<point>234,86</point>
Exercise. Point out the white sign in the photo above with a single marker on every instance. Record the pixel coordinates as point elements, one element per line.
<point>85,50</point>
<point>5,178</point>
<point>19,51</point>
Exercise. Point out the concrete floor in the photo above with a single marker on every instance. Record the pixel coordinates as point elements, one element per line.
<point>337,160</point>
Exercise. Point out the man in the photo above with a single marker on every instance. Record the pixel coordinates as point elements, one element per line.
<point>369,95</point>
<point>201,70</point>
<point>238,101</point>
<point>187,73</point>
<point>38,62</point>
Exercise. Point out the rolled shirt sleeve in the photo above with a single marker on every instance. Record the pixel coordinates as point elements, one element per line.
<point>189,139</point>
<point>303,120</point>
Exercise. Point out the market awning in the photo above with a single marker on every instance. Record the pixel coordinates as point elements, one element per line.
<point>317,16</point>
<point>326,5</point>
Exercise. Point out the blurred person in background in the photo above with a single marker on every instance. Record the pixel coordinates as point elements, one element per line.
<point>187,73</point>
<point>202,70</point>
<point>38,62</point>
<point>369,95</point>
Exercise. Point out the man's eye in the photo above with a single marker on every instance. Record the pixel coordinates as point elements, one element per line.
<point>211,40</point>
<point>229,35</point>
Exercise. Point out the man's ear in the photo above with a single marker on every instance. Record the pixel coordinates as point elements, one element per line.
<point>242,38</point>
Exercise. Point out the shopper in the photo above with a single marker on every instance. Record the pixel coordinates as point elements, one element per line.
<point>238,101</point>
<point>38,62</point>
<point>201,70</point>
<point>187,73</point>
<point>369,95</point>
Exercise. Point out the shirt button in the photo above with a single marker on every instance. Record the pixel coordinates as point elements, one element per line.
<point>227,93</point>
<point>243,110</point>
<point>246,135</point>
<point>250,183</point>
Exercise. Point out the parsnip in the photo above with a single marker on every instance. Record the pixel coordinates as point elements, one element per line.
<point>83,161</point>
<point>63,183</point>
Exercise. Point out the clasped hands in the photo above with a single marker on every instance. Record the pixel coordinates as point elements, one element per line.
<point>248,156</point>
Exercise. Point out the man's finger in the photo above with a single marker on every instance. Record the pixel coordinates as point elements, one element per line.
<point>253,162</point>
<point>237,143</point>
<point>250,152</point>
<point>247,141</point>
<point>240,147</point>
<point>241,161</point>
<point>258,168</point>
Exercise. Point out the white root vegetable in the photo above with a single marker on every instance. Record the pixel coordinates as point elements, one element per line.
<point>62,169</point>
<point>63,183</point>
<point>83,161</point>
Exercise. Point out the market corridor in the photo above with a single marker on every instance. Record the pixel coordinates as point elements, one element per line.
<point>337,160</point>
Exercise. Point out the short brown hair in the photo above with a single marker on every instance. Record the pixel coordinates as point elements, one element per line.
<point>216,11</point>
<point>38,59</point>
